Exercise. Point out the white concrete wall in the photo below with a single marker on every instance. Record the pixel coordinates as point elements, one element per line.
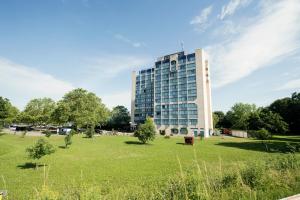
<point>239,133</point>
<point>203,93</point>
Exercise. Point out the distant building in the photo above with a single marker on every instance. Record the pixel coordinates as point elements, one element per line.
<point>176,92</point>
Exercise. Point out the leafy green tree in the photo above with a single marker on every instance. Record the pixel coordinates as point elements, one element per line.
<point>146,132</point>
<point>39,111</point>
<point>240,114</point>
<point>254,121</point>
<point>23,117</point>
<point>60,115</point>
<point>220,122</point>
<point>263,118</point>
<point>289,109</point>
<point>81,108</point>
<point>8,113</point>
<point>273,122</point>
<point>39,149</point>
<point>119,118</point>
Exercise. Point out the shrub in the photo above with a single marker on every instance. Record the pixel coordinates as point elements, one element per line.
<point>68,139</point>
<point>229,179</point>
<point>40,149</point>
<point>251,175</point>
<point>261,134</point>
<point>146,131</point>
<point>284,162</point>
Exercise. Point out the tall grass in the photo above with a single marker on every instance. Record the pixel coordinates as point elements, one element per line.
<point>271,179</point>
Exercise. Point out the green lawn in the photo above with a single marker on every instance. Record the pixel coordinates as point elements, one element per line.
<point>118,160</point>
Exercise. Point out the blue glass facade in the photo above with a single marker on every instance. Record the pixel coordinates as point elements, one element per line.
<point>176,93</point>
<point>175,88</point>
<point>144,95</point>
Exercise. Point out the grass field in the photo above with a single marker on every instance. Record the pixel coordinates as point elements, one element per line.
<point>119,160</point>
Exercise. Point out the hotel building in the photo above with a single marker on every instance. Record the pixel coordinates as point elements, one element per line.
<point>176,92</point>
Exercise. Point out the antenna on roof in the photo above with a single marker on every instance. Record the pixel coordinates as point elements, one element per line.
<point>182,45</point>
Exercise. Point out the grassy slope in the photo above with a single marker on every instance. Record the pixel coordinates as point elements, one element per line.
<point>109,158</point>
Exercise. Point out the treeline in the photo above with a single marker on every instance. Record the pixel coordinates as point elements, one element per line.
<point>78,108</point>
<point>280,117</point>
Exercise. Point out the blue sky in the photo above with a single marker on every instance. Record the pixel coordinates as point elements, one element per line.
<point>52,46</point>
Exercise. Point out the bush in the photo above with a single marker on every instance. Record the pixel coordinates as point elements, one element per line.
<point>229,179</point>
<point>290,148</point>
<point>47,133</point>
<point>146,131</point>
<point>90,132</point>
<point>261,134</point>
<point>68,139</point>
<point>251,175</point>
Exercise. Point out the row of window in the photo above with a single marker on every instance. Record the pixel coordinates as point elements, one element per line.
<point>176,121</point>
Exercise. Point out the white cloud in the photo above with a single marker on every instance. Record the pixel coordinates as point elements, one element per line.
<point>290,85</point>
<point>121,98</point>
<point>273,37</point>
<point>21,83</point>
<point>128,41</point>
<point>201,20</point>
<point>232,6</point>
<point>109,66</point>
<point>227,28</point>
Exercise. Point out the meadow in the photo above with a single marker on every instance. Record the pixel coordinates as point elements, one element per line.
<point>121,163</point>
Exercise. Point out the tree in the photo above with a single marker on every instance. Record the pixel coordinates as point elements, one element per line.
<point>8,112</point>
<point>119,118</point>
<point>220,122</point>
<point>240,114</point>
<point>81,108</point>
<point>263,118</point>
<point>146,131</point>
<point>273,122</point>
<point>60,115</point>
<point>90,131</point>
<point>39,111</point>
<point>289,109</point>
<point>68,139</point>
<point>261,134</point>
<point>215,119</point>
<point>226,122</point>
<point>39,149</point>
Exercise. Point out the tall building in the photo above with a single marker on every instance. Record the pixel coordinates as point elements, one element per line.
<point>176,92</point>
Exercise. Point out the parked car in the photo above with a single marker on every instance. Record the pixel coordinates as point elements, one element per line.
<point>64,130</point>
